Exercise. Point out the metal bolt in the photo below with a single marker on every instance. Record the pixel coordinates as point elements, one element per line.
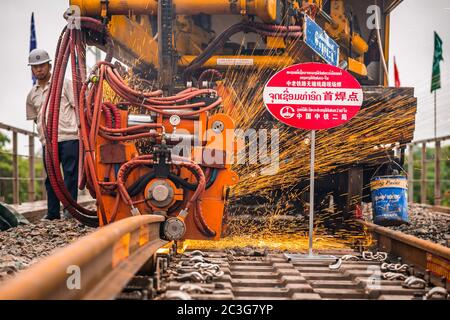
<point>160,193</point>
<point>218,126</point>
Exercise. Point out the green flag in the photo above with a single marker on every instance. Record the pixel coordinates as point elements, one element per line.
<point>438,57</point>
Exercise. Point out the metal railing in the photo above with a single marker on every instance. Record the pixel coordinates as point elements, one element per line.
<point>15,179</point>
<point>437,180</point>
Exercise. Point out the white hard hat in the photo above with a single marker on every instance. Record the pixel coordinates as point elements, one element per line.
<point>37,57</point>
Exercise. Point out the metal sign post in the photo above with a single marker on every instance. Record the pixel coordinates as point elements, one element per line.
<point>311,209</point>
<point>310,255</point>
<point>311,192</point>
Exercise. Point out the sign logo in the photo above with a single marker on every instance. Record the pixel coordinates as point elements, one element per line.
<point>287,112</point>
<point>313,96</point>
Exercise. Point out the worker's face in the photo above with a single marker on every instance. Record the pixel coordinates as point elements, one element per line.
<point>41,71</point>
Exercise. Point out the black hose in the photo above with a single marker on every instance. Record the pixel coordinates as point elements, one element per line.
<point>212,178</point>
<point>180,181</point>
<point>139,185</point>
<point>217,43</point>
<point>192,186</point>
<point>221,39</point>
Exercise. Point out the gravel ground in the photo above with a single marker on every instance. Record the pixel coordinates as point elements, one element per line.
<point>23,246</point>
<point>424,223</point>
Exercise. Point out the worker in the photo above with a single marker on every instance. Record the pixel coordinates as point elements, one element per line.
<point>68,142</point>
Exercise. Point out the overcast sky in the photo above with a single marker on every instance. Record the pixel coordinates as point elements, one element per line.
<point>412,42</point>
<point>412,26</point>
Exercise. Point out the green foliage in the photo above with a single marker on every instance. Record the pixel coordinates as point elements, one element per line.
<point>6,171</point>
<point>445,174</point>
<point>3,140</point>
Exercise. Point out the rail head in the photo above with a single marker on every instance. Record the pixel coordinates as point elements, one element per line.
<point>421,244</point>
<point>425,256</point>
<point>93,267</point>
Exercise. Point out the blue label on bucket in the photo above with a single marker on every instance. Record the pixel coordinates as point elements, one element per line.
<point>389,200</point>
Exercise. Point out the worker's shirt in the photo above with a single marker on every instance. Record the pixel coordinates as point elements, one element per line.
<point>68,127</point>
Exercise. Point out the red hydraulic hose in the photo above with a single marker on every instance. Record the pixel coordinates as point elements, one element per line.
<point>199,219</point>
<point>52,152</point>
<point>54,171</point>
<point>89,108</point>
<point>213,73</point>
<point>108,117</point>
<point>193,203</point>
<point>54,156</point>
<point>115,112</point>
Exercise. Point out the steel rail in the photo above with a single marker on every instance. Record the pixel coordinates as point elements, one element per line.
<point>422,254</point>
<point>97,266</point>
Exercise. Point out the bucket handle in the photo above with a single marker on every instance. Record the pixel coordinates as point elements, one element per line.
<point>391,161</point>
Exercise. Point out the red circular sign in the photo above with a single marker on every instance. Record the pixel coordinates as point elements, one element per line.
<point>313,96</point>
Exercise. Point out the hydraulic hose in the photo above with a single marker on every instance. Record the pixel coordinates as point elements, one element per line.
<point>65,49</point>
<point>193,202</point>
<point>199,219</point>
<point>52,156</point>
<point>90,107</point>
<point>259,28</point>
<point>211,73</point>
<point>139,185</point>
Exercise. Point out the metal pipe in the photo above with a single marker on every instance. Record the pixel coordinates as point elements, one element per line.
<point>171,136</point>
<point>31,170</point>
<point>178,111</point>
<point>180,137</point>
<point>411,173</point>
<point>437,174</point>
<point>139,119</point>
<point>311,192</point>
<point>240,61</point>
<point>115,7</point>
<point>267,10</point>
<point>15,167</point>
